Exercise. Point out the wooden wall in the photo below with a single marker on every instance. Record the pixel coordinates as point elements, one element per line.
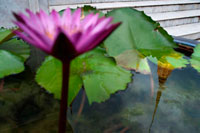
<point>9,6</point>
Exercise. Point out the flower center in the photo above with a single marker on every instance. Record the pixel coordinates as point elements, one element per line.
<point>72,30</point>
<point>82,14</point>
<point>50,35</point>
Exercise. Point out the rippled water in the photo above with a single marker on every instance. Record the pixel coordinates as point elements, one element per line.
<point>149,104</point>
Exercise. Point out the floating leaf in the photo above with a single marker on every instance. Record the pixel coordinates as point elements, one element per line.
<point>13,54</point>
<point>49,77</point>
<point>10,64</point>
<point>5,34</point>
<point>17,47</point>
<point>99,75</point>
<point>132,60</point>
<point>175,60</point>
<point>195,61</point>
<point>137,33</point>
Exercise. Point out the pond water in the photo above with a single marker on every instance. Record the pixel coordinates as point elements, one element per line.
<point>150,104</point>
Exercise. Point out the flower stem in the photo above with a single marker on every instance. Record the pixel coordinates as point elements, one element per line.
<point>64,96</point>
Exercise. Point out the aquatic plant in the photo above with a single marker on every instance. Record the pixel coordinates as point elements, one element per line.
<point>100,72</point>
<point>13,53</point>
<point>65,38</point>
<point>195,60</point>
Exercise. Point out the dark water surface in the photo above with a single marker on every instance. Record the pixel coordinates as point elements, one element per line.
<point>151,103</point>
<point>172,106</point>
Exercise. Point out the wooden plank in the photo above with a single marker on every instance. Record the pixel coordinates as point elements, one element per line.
<point>63,2</point>
<point>9,6</point>
<point>112,5</point>
<point>34,5</point>
<point>6,9</point>
<point>101,1</point>
<point>184,30</point>
<point>174,15</point>
<point>44,5</point>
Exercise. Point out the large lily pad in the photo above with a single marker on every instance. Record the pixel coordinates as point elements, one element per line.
<point>99,75</point>
<point>10,64</point>
<point>137,37</point>
<point>17,47</point>
<point>139,32</point>
<point>14,53</point>
<point>50,77</point>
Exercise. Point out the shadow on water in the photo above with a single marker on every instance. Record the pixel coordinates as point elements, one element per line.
<point>25,107</point>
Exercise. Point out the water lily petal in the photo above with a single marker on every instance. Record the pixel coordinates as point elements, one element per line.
<point>76,37</point>
<point>34,36</point>
<point>34,20</point>
<point>25,20</point>
<point>89,20</point>
<point>94,39</point>
<point>31,41</point>
<point>76,19</point>
<point>47,22</point>
<point>101,25</point>
<point>64,37</point>
<point>34,29</point>
<point>56,17</point>
<point>66,18</point>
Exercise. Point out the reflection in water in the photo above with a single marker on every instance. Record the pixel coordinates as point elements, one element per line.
<point>163,71</point>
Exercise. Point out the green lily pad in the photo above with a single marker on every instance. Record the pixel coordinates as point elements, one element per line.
<point>195,60</point>
<point>5,34</point>
<point>16,52</point>
<point>99,75</point>
<point>132,60</point>
<point>175,60</point>
<point>10,64</point>
<point>138,33</point>
<point>17,47</point>
<point>49,76</point>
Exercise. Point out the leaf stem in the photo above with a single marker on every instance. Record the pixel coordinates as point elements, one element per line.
<point>64,96</point>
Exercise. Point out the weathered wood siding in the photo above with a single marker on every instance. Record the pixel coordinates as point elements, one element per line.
<point>63,2</point>
<point>9,6</point>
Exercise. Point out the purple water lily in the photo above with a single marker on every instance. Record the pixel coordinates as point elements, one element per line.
<point>76,34</point>
<point>64,37</point>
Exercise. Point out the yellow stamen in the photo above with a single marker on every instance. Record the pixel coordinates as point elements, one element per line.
<point>82,14</point>
<point>49,35</point>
